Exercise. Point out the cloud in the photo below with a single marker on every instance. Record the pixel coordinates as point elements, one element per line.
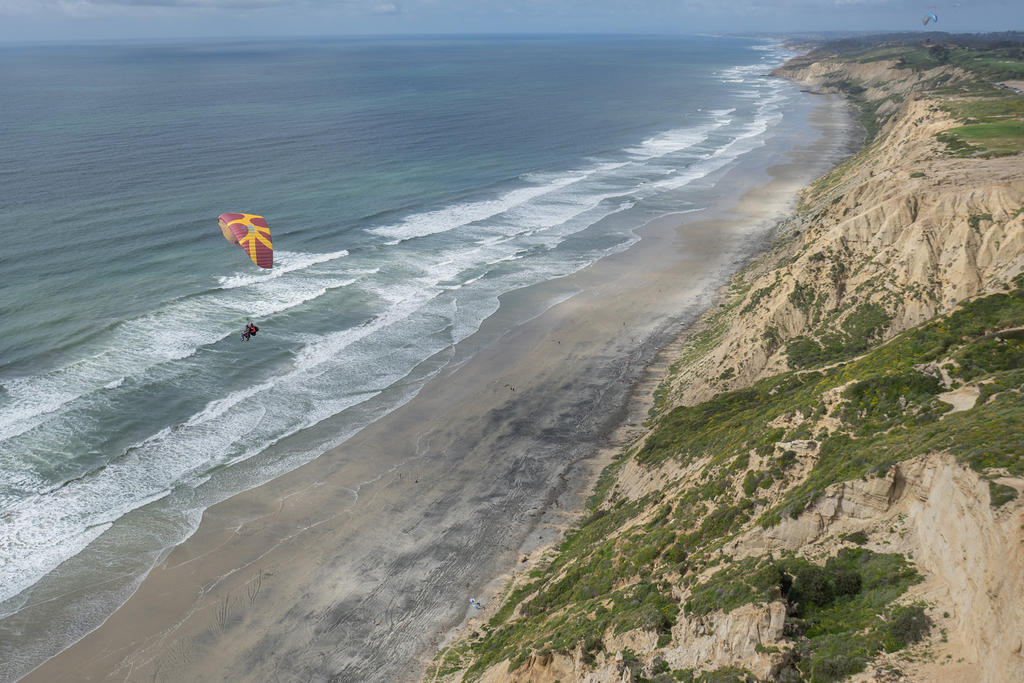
<point>75,7</point>
<point>206,10</point>
<point>200,4</point>
<point>147,17</point>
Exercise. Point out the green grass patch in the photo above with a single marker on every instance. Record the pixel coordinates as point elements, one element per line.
<point>986,60</point>
<point>987,356</point>
<point>1000,494</point>
<point>957,146</point>
<point>858,331</point>
<point>884,401</point>
<point>1004,138</point>
<point>986,110</point>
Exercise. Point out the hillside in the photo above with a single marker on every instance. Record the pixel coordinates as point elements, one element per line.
<point>828,486</point>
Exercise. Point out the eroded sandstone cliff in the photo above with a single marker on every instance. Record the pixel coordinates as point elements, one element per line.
<point>831,482</point>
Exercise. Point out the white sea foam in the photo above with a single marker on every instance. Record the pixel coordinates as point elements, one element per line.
<point>171,333</point>
<point>36,559</point>
<point>458,215</point>
<point>744,140</point>
<point>284,262</point>
<point>673,141</point>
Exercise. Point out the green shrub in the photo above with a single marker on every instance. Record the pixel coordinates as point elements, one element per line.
<point>883,401</point>
<point>846,582</point>
<point>989,355</point>
<point>908,625</point>
<point>864,324</point>
<point>750,483</point>
<point>591,645</point>
<point>756,298</point>
<point>803,297</point>
<point>975,219</point>
<point>787,459</point>
<point>858,537</point>
<point>999,494</point>
<point>803,352</point>
<point>834,666</point>
<point>676,554</point>
<point>812,586</point>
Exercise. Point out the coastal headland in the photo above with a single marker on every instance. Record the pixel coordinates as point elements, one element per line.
<point>828,485</point>
<point>337,571</point>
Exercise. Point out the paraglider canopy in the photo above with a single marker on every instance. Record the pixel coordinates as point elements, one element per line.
<point>929,17</point>
<point>251,233</point>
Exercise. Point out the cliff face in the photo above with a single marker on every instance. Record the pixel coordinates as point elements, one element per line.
<point>939,513</point>
<point>900,225</point>
<point>831,483</point>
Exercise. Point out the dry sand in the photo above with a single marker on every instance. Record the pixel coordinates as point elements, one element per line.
<point>352,567</point>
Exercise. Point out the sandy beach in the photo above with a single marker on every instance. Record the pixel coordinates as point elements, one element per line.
<point>355,566</point>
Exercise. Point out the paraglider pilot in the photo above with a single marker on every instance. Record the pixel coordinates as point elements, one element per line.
<point>249,331</point>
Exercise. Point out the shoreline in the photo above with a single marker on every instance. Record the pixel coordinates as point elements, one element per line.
<point>639,401</point>
<point>264,582</point>
<point>777,462</point>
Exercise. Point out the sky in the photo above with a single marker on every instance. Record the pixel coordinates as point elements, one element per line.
<point>156,20</point>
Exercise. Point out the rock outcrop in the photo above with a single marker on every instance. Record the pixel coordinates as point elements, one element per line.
<point>747,637</point>
<point>937,511</point>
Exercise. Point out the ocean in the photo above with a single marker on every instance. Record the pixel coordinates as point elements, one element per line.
<point>408,184</point>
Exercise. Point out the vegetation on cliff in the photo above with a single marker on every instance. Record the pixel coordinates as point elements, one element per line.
<point>811,374</point>
<point>630,562</point>
<point>962,69</point>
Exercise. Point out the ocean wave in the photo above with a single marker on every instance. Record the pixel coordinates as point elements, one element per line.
<point>172,333</point>
<point>284,262</point>
<point>676,140</point>
<point>462,214</point>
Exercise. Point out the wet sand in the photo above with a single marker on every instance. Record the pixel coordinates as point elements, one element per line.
<point>354,566</point>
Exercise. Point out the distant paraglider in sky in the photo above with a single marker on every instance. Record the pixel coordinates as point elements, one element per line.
<point>251,233</point>
<point>930,17</point>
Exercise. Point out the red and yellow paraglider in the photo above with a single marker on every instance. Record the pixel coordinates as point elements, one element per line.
<point>251,233</point>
